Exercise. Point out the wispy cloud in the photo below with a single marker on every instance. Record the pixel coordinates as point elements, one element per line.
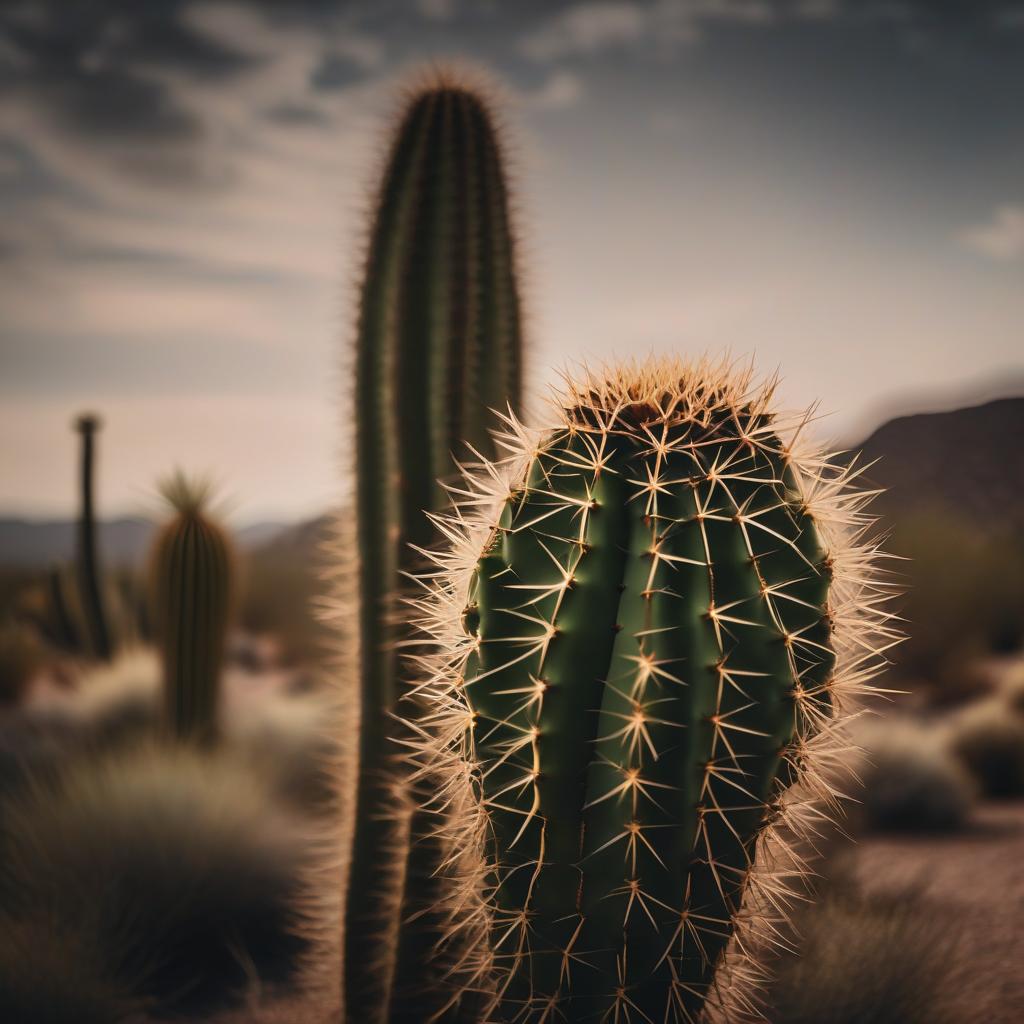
<point>1001,237</point>
<point>436,10</point>
<point>594,27</point>
<point>560,91</point>
<point>587,28</point>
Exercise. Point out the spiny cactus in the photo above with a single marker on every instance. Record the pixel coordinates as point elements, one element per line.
<point>90,582</point>
<point>191,581</point>
<point>652,619</point>
<point>438,343</point>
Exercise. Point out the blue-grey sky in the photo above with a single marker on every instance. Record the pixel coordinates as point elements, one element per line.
<point>833,186</point>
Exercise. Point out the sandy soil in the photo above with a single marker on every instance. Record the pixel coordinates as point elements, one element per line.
<point>978,877</point>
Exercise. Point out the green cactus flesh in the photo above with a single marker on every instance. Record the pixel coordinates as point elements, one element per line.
<point>191,580</point>
<point>652,642</point>
<point>438,344</point>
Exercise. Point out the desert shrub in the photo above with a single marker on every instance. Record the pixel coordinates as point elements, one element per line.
<point>911,780</point>
<point>864,958</point>
<point>33,744</point>
<point>280,591</point>
<point>175,867</point>
<point>288,740</point>
<point>22,655</point>
<point>1013,690</point>
<point>50,976</point>
<point>119,702</point>
<point>989,739</point>
<point>964,600</point>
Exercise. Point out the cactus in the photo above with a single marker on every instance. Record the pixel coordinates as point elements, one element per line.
<point>59,621</point>
<point>438,343</point>
<point>90,583</point>
<point>654,617</point>
<point>191,586</point>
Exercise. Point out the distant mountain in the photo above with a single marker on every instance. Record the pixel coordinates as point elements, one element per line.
<point>300,539</point>
<point>26,543</point>
<point>965,465</point>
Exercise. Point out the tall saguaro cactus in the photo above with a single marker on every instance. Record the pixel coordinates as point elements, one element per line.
<point>191,582</point>
<point>652,621</point>
<point>438,344</point>
<point>87,568</point>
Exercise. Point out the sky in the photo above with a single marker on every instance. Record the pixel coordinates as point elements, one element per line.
<point>832,187</point>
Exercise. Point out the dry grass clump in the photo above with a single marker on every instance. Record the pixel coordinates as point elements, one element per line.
<point>50,976</point>
<point>860,959</point>
<point>174,868</point>
<point>1013,689</point>
<point>119,703</point>
<point>989,739</point>
<point>22,655</point>
<point>288,739</point>
<point>912,783</point>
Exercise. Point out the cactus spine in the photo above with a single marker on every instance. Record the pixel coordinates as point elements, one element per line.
<point>654,627</point>
<point>438,343</point>
<point>191,585</point>
<point>90,582</point>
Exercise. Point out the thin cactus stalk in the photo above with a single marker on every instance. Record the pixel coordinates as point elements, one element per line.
<point>438,344</point>
<point>651,621</point>
<point>60,620</point>
<point>90,582</point>
<point>191,588</point>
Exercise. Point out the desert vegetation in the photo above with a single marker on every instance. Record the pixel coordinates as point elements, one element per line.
<point>571,716</point>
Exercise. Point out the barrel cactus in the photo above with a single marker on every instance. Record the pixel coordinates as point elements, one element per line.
<point>438,343</point>
<point>650,623</point>
<point>191,585</point>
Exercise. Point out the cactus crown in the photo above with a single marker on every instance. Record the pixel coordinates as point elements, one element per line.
<point>88,423</point>
<point>187,495</point>
<point>650,623</point>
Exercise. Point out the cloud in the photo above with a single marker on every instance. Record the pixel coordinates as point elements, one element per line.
<point>297,114</point>
<point>97,73</point>
<point>1011,18</point>
<point>436,10</point>
<point>1001,238</point>
<point>597,26</point>
<point>560,91</point>
<point>594,27</point>
<point>585,29</point>
<point>350,58</point>
<point>817,10</point>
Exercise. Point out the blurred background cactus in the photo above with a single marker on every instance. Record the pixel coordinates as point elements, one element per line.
<point>192,597</point>
<point>438,344</point>
<point>87,566</point>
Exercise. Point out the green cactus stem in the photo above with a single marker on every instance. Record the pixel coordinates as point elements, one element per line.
<point>438,344</point>
<point>648,654</point>
<point>88,573</point>
<point>191,578</point>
